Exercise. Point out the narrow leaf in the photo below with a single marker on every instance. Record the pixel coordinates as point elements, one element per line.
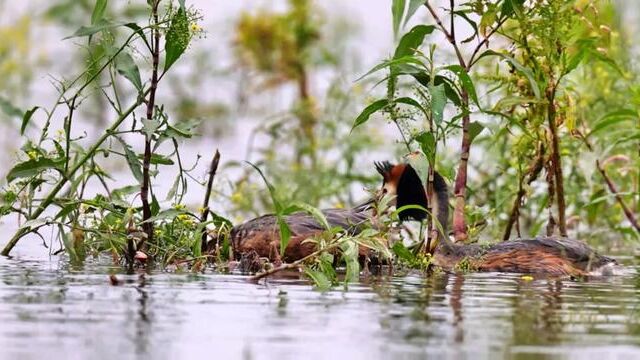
<point>475,128</point>
<point>132,160</point>
<point>414,5</point>
<point>95,28</point>
<point>525,71</point>
<point>315,212</point>
<point>126,66</point>
<point>320,280</point>
<point>32,167</point>
<point>412,40</point>
<point>98,11</point>
<point>177,38</point>
<point>465,81</point>
<point>438,102</point>
<point>26,118</point>
<point>368,111</point>
<point>397,12</point>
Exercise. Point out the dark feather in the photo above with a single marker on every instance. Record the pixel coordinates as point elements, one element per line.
<point>411,192</point>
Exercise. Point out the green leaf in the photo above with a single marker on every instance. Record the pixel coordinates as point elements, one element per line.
<point>285,234</point>
<point>525,71</point>
<point>510,101</point>
<point>395,64</point>
<point>132,160</point>
<point>613,118</point>
<point>412,102</point>
<point>428,145</point>
<point>368,111</point>
<point>575,60</point>
<point>101,25</point>
<point>285,231</point>
<point>509,7</point>
<point>412,40</point>
<point>402,252</point>
<point>126,66</point>
<point>475,128</point>
<point>438,102</point>
<point>450,89</point>
<point>320,280</point>
<point>154,206</point>
<point>98,11</point>
<point>165,215</point>
<point>26,118</point>
<point>174,188</point>
<point>137,29</point>
<point>414,5</point>
<point>157,159</point>
<point>397,12</point>
<point>313,211</point>
<point>465,81</point>
<point>488,18</point>
<point>177,38</point>
<point>272,191</point>
<point>350,256</point>
<point>472,23</point>
<point>33,167</point>
<point>66,210</point>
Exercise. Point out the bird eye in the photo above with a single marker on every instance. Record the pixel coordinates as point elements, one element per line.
<point>384,191</point>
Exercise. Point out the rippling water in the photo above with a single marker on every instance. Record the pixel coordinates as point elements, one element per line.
<point>50,310</point>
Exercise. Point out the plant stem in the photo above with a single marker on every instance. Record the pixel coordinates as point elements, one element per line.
<point>205,205</point>
<point>556,161</point>
<point>52,194</point>
<point>532,173</point>
<point>612,187</point>
<point>147,226</point>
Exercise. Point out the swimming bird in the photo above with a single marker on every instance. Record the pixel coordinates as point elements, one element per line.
<point>262,234</point>
<point>540,255</point>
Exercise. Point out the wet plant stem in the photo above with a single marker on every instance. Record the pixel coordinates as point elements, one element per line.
<point>147,226</point>
<point>205,204</point>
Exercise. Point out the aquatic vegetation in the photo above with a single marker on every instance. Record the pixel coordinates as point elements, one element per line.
<point>540,100</point>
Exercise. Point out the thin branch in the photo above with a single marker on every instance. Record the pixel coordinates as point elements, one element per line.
<point>449,36</point>
<point>205,206</point>
<point>472,59</point>
<point>612,187</point>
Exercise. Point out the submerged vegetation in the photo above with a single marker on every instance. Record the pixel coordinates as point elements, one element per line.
<point>530,108</point>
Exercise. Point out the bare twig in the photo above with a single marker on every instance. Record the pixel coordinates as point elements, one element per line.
<point>612,187</point>
<point>205,205</point>
<point>447,34</point>
<point>531,174</point>
<point>556,160</point>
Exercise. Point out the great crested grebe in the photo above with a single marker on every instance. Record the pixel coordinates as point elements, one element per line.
<point>541,255</point>
<point>262,235</point>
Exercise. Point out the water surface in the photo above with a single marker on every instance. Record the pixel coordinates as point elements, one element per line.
<point>51,310</point>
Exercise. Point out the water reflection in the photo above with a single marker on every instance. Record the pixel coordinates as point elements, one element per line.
<point>50,310</point>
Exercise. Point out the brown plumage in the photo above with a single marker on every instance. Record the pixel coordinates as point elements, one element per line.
<point>262,234</point>
<point>543,255</point>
